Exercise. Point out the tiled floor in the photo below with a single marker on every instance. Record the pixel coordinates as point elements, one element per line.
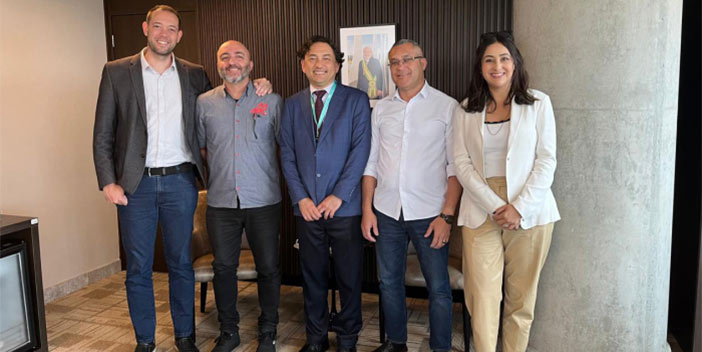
<point>96,318</point>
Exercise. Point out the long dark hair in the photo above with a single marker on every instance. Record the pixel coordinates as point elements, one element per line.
<point>479,96</point>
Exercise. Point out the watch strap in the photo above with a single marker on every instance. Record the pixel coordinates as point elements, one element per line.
<point>448,218</point>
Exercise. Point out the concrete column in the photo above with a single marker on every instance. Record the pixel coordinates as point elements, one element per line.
<point>611,69</point>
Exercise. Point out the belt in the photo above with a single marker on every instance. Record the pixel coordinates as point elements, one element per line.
<point>170,170</point>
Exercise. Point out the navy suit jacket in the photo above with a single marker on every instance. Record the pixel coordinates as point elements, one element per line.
<point>335,163</point>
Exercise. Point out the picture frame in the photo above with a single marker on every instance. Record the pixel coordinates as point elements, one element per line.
<point>366,65</point>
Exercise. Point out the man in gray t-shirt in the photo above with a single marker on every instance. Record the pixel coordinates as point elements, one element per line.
<point>237,132</point>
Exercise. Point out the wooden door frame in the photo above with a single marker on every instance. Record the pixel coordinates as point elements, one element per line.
<point>117,7</point>
<point>697,339</point>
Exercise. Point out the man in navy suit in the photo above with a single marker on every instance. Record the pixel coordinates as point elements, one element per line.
<point>324,147</point>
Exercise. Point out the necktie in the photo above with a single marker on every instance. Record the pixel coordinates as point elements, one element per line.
<point>318,106</point>
<point>318,103</point>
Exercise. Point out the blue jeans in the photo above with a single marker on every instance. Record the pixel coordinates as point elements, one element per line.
<point>171,201</point>
<point>391,253</point>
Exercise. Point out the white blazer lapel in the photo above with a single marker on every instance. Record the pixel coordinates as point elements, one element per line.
<point>515,113</point>
<point>481,144</point>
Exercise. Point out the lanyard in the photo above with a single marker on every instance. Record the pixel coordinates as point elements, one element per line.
<point>324,109</point>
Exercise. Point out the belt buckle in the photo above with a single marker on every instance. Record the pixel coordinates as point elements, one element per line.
<point>154,171</point>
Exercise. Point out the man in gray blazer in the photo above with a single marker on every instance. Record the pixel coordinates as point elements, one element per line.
<point>147,157</point>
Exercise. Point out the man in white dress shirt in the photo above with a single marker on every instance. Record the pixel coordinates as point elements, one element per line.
<point>410,193</point>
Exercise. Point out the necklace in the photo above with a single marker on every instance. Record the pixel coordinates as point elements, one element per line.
<point>501,123</point>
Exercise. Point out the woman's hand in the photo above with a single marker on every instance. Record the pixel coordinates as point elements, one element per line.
<point>507,216</point>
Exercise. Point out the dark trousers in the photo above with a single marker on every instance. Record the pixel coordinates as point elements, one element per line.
<point>343,235</point>
<point>225,226</point>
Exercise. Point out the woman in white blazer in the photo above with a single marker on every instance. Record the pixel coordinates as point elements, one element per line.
<point>504,146</point>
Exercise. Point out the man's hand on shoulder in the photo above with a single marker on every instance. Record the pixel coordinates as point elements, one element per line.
<point>114,194</point>
<point>263,86</point>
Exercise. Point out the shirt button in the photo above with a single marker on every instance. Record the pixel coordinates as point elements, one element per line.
<point>237,153</point>
<point>237,121</point>
<point>319,175</point>
<point>237,171</point>
<point>238,188</point>
<point>237,104</point>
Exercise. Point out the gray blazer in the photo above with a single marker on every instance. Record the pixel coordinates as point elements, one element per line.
<point>119,135</point>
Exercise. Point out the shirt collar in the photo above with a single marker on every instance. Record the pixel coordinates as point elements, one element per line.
<point>423,93</point>
<point>249,90</point>
<point>145,64</point>
<point>327,88</point>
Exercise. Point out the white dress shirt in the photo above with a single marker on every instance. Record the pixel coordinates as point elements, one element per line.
<point>411,155</point>
<point>324,97</point>
<point>166,145</point>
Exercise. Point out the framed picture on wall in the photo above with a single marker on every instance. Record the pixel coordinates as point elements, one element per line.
<point>366,66</point>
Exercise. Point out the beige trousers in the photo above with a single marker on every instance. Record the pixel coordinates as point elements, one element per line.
<point>489,253</point>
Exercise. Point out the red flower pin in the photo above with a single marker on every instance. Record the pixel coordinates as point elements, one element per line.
<point>260,109</point>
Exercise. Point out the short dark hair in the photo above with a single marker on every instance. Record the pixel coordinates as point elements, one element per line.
<point>338,55</point>
<point>479,96</point>
<point>163,8</point>
<point>407,41</point>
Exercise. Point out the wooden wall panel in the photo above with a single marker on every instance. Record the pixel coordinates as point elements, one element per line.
<point>274,30</point>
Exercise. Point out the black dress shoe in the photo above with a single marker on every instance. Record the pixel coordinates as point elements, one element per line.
<point>227,342</point>
<point>185,344</point>
<point>266,342</point>
<point>315,347</point>
<point>145,347</point>
<point>391,347</point>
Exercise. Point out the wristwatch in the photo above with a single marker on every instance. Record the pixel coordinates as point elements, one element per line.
<point>447,218</point>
